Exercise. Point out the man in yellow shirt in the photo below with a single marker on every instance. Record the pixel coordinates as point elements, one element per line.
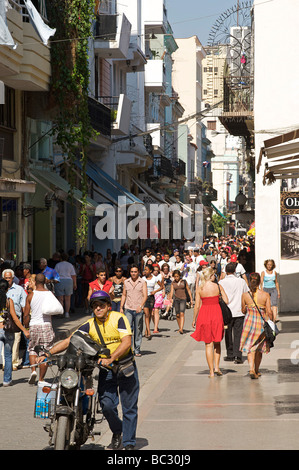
<point>114,330</point>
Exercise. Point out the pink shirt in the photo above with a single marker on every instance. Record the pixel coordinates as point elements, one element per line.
<point>134,293</point>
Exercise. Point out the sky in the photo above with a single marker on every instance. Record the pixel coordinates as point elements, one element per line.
<point>195,17</point>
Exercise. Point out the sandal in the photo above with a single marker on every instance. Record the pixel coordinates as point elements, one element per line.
<point>253,375</point>
<point>218,372</point>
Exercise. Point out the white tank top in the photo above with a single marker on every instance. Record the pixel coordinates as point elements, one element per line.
<point>37,317</point>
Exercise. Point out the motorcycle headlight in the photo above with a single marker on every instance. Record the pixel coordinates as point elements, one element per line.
<point>69,378</point>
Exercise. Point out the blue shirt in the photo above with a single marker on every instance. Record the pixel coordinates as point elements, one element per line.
<point>51,274</point>
<point>18,296</point>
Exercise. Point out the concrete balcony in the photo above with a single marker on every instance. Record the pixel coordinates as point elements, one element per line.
<point>155,16</point>
<point>132,154</point>
<point>121,108</point>
<point>112,36</point>
<point>157,137</point>
<point>155,79</point>
<point>28,66</point>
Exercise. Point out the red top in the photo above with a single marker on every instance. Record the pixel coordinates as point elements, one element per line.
<point>96,286</point>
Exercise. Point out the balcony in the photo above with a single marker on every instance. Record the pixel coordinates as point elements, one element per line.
<point>237,115</point>
<point>195,187</point>
<point>180,168</point>
<point>155,79</point>
<point>155,16</point>
<point>112,36</point>
<point>133,154</point>
<point>209,194</point>
<point>121,108</point>
<point>28,66</point>
<point>162,169</point>
<point>157,137</point>
<point>100,117</point>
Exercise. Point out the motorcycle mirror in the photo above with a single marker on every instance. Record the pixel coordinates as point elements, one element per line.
<point>38,349</point>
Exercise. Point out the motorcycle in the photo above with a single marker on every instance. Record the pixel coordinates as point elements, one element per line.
<point>70,401</point>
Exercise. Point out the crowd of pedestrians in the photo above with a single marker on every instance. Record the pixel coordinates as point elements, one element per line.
<point>127,294</point>
<point>159,282</point>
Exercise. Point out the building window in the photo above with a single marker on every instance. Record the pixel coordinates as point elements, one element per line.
<point>211,125</point>
<point>8,228</point>
<point>205,92</point>
<point>8,124</point>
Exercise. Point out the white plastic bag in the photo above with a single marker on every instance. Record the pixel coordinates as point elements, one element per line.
<point>52,306</point>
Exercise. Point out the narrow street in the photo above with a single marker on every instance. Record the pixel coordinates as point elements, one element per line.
<point>180,407</point>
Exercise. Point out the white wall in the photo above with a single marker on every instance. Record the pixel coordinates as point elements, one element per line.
<point>276,100</point>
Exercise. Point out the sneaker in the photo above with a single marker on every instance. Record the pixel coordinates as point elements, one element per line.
<point>7,384</point>
<point>67,315</point>
<point>32,378</point>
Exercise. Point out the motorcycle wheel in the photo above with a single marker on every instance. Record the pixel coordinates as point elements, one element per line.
<point>62,440</point>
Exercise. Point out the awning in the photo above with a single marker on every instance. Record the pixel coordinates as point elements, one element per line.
<point>9,185</point>
<point>149,191</point>
<point>187,211</point>
<point>282,154</point>
<point>217,211</point>
<point>110,188</point>
<point>51,178</point>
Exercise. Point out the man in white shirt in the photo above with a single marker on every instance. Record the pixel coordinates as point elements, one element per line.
<point>234,287</point>
<point>189,273</point>
<point>68,283</point>
<point>148,255</point>
<point>166,260</point>
<point>240,270</point>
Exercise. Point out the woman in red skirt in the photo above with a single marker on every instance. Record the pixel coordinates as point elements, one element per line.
<point>207,319</point>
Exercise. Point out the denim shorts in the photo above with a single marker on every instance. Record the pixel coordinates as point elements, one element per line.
<point>179,305</point>
<point>64,287</point>
<point>273,295</point>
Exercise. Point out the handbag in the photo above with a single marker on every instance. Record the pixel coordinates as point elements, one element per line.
<point>52,306</point>
<point>270,332</point>
<point>123,367</point>
<point>226,311</point>
<point>188,299</point>
<point>9,325</point>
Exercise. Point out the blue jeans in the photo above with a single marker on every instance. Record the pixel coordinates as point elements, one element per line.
<point>115,306</point>
<point>26,353</point>
<point>128,388</point>
<point>136,324</point>
<point>7,339</point>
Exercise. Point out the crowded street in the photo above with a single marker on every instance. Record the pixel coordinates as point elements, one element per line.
<point>149,223</point>
<point>179,407</point>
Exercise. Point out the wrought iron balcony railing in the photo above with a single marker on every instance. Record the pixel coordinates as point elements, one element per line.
<point>100,116</point>
<point>238,95</point>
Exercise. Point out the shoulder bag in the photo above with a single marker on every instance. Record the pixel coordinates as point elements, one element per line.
<point>123,367</point>
<point>270,328</point>
<point>9,324</point>
<point>226,311</point>
<point>52,306</point>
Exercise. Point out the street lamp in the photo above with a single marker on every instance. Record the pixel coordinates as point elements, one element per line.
<point>241,200</point>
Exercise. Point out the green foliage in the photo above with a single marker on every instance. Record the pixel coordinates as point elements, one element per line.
<point>218,223</point>
<point>69,89</point>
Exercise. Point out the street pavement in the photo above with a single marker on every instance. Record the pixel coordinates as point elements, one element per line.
<point>180,407</point>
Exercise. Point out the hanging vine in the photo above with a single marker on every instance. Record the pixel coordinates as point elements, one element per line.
<point>69,90</point>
